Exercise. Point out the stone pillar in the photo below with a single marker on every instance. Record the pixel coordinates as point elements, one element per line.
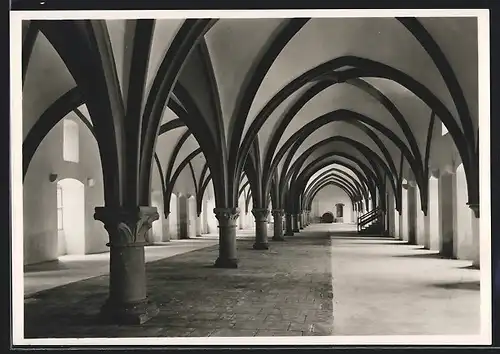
<point>295,222</point>
<point>227,218</point>
<point>128,231</point>
<point>288,224</point>
<point>260,229</point>
<point>446,214</point>
<point>278,224</point>
<point>476,236</point>
<point>412,214</point>
<point>427,231</point>
<point>300,221</point>
<point>198,225</point>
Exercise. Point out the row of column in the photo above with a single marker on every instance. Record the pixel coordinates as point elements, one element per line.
<point>128,234</point>
<point>450,226</point>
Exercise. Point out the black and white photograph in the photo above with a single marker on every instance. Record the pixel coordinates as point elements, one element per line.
<point>229,177</point>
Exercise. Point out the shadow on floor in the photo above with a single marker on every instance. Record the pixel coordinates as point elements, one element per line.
<point>45,266</point>
<point>469,267</point>
<point>420,255</point>
<point>384,242</point>
<point>466,285</point>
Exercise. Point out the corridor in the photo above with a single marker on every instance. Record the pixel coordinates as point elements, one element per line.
<point>316,283</point>
<point>250,176</point>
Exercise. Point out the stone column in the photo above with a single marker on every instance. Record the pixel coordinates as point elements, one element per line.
<point>227,218</point>
<point>476,236</point>
<point>260,229</point>
<point>295,222</point>
<point>128,228</point>
<point>300,221</point>
<point>412,214</point>
<point>198,225</point>
<point>446,214</point>
<point>288,224</point>
<point>278,224</point>
<point>427,231</point>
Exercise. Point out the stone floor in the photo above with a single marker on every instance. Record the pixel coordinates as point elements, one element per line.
<point>380,287</point>
<point>68,269</point>
<point>387,287</point>
<point>285,291</point>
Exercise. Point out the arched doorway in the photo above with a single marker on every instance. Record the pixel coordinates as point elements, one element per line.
<point>70,217</point>
<point>339,212</point>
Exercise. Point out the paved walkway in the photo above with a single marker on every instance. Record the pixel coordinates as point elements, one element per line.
<point>283,291</point>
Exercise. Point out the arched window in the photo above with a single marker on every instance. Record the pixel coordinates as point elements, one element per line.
<point>71,151</point>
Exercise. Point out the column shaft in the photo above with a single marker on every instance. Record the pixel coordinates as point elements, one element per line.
<point>198,225</point>
<point>295,223</point>
<point>227,218</point>
<point>288,224</point>
<point>260,229</point>
<point>278,224</point>
<point>128,234</point>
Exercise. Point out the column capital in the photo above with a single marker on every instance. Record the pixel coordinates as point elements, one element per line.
<point>475,208</point>
<point>260,214</point>
<point>227,216</point>
<point>127,226</point>
<point>278,212</point>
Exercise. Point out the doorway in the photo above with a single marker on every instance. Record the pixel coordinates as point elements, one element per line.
<point>70,217</point>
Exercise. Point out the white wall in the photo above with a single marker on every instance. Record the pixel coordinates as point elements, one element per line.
<point>40,195</point>
<point>326,199</point>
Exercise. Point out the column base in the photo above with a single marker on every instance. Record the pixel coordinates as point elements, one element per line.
<point>226,263</point>
<point>261,246</point>
<point>276,238</point>
<point>289,233</point>
<point>128,314</point>
<point>198,235</point>
<point>296,230</point>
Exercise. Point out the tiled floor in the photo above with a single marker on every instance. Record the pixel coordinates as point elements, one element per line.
<point>69,269</point>
<point>283,291</point>
<point>380,287</point>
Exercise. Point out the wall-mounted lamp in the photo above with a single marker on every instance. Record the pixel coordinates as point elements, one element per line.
<point>90,182</point>
<point>53,177</point>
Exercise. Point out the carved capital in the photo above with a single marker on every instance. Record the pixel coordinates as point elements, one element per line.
<point>278,212</point>
<point>260,214</point>
<point>227,216</point>
<point>475,208</point>
<point>127,227</point>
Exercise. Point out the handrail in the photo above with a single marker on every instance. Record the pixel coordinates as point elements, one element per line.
<point>368,214</point>
<point>376,216</point>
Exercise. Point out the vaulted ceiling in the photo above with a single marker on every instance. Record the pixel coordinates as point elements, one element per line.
<point>275,95</point>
